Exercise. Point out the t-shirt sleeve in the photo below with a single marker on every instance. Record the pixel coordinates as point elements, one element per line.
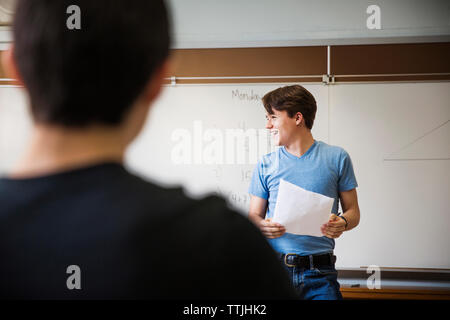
<point>347,179</point>
<point>258,186</point>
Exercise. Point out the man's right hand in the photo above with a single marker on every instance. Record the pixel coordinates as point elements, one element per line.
<point>271,229</point>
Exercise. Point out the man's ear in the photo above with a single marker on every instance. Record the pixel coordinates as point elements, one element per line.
<point>298,118</point>
<point>9,65</point>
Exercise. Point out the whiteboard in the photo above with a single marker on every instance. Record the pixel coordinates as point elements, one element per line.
<point>397,134</point>
<point>15,125</point>
<point>199,111</point>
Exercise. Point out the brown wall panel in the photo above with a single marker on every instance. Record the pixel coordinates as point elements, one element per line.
<point>393,78</point>
<point>2,73</point>
<point>4,83</point>
<point>390,59</point>
<point>3,76</point>
<point>395,294</point>
<point>238,62</point>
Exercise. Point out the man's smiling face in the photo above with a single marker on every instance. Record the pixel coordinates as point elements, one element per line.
<point>281,126</point>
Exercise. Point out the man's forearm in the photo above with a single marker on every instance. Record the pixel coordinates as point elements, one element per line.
<point>255,218</point>
<point>352,216</point>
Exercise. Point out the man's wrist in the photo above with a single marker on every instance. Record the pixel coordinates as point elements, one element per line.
<point>345,219</point>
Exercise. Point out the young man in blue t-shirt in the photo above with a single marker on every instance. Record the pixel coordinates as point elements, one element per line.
<point>312,165</point>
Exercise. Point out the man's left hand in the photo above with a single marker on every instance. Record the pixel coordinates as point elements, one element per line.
<point>334,228</point>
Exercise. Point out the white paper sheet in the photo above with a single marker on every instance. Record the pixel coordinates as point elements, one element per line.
<point>301,211</point>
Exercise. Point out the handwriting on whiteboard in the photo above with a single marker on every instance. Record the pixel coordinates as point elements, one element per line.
<point>236,198</point>
<point>245,95</point>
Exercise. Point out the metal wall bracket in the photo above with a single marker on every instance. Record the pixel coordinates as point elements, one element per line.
<point>327,79</point>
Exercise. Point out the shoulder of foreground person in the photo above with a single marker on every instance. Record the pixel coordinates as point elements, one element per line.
<point>202,248</point>
<point>213,252</point>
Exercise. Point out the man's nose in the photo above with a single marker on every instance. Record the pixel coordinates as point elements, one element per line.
<point>269,124</point>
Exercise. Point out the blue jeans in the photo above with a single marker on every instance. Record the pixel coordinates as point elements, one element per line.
<point>315,284</point>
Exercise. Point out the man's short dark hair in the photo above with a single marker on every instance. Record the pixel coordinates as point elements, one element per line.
<point>292,99</point>
<point>93,75</point>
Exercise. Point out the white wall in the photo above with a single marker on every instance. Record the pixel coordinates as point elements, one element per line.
<point>253,23</point>
<point>237,23</point>
<point>5,38</point>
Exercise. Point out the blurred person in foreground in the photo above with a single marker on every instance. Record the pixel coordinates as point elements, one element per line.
<point>74,223</point>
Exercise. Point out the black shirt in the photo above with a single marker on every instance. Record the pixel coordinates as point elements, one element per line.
<point>130,239</point>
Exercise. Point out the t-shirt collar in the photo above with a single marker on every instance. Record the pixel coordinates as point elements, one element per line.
<point>291,156</point>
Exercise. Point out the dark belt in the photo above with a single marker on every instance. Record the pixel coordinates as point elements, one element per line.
<point>308,262</point>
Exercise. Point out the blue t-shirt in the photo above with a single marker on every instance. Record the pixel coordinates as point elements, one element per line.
<point>323,169</point>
